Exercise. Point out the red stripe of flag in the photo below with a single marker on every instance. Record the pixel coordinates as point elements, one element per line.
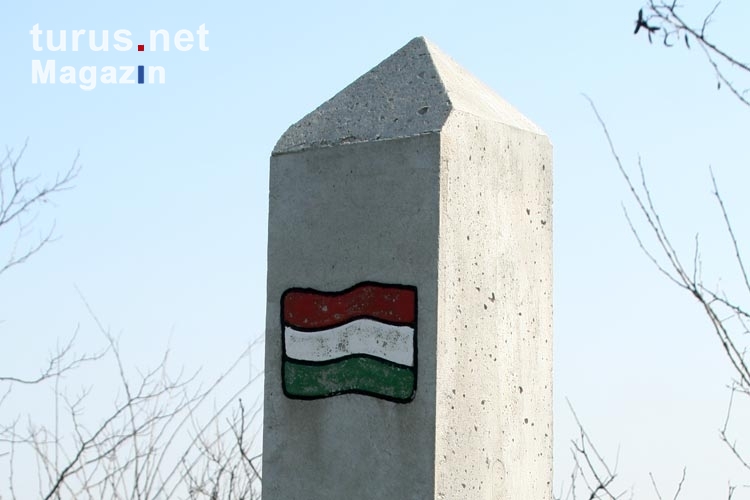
<point>313,309</point>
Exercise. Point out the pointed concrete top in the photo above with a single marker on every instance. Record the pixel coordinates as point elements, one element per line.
<point>411,93</point>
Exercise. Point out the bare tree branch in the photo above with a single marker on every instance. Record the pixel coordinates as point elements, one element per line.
<point>666,17</point>
<point>590,468</point>
<point>159,441</point>
<point>21,198</point>
<point>720,310</point>
<point>60,362</point>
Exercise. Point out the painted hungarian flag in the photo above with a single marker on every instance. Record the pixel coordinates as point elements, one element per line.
<point>361,340</point>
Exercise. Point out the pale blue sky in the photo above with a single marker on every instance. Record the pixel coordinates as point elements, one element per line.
<point>165,233</point>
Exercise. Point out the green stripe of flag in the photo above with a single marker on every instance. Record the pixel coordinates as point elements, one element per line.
<point>348,375</point>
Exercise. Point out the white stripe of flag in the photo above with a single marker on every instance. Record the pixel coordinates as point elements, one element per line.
<point>362,336</point>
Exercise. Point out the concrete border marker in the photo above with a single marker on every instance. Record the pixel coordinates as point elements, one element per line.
<point>409,293</point>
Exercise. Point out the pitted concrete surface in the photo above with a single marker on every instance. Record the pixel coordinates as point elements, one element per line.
<point>411,93</point>
<point>417,174</point>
